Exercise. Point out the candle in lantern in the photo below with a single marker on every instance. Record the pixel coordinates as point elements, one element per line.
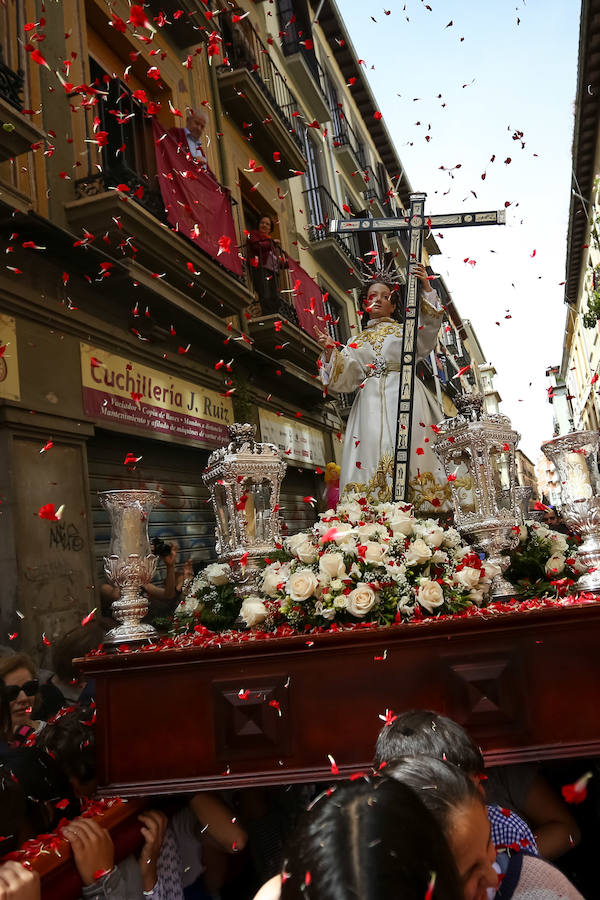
<point>578,476</point>
<point>132,531</point>
<point>250,515</point>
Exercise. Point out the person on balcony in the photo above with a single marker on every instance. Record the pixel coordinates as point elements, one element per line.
<point>266,259</point>
<point>189,139</point>
<point>371,361</point>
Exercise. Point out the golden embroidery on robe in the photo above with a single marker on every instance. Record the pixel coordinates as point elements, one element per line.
<point>379,488</point>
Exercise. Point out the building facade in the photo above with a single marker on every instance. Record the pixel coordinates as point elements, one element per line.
<point>139,315</point>
<point>581,349</point>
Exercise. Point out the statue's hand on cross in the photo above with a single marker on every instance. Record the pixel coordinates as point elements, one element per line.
<point>420,272</point>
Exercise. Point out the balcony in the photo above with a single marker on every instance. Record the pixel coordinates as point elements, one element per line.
<point>136,227</point>
<point>127,207</point>
<point>186,30</point>
<point>374,194</point>
<point>17,134</point>
<point>255,95</point>
<point>347,147</point>
<point>338,254</point>
<point>305,69</point>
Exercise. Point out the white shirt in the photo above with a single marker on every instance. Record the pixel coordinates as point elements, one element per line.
<point>195,146</point>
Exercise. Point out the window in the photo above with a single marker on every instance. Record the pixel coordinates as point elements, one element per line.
<point>130,148</point>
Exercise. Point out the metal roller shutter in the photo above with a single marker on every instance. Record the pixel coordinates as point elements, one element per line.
<point>183,515</point>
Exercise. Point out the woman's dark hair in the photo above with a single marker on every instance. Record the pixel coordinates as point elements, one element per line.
<point>369,839</point>
<point>69,740</point>
<point>266,216</point>
<point>442,787</point>
<point>397,293</point>
<point>421,732</point>
<point>76,643</point>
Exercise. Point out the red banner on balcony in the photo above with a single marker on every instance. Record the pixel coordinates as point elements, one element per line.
<point>197,206</point>
<point>308,299</point>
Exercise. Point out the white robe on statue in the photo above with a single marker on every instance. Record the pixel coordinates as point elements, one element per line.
<point>372,365</point>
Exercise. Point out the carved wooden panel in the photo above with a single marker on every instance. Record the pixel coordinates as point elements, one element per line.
<point>488,692</point>
<point>251,718</point>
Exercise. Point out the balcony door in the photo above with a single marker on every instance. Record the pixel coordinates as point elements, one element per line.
<point>129,153</point>
<point>314,181</point>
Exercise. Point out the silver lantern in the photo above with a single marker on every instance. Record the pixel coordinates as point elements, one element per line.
<point>244,480</point>
<point>477,451</point>
<point>130,564</point>
<point>575,457</point>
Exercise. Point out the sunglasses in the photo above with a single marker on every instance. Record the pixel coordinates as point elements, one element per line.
<point>30,689</point>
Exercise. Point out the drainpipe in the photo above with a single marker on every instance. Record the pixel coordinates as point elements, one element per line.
<point>214,84</point>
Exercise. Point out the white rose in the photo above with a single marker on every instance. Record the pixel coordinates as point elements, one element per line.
<point>272,576</point>
<point>476,597</point>
<point>559,542</point>
<point>332,564</point>
<point>366,531</point>
<point>302,584</point>
<point>430,595</point>
<point>253,611</point>
<point>217,574</point>
<point>401,523</point>
<point>523,534</point>
<point>354,511</point>
<point>467,578</point>
<point>340,602</point>
<point>451,538</point>
<point>555,564</point>
<point>301,546</point>
<point>337,584</point>
<point>434,537</point>
<point>344,531</point>
<point>361,600</point>
<point>491,570</point>
<point>438,556</point>
<point>417,553</point>
<point>374,552</point>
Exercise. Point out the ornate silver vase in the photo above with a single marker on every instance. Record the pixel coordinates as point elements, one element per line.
<point>130,564</point>
<point>575,457</point>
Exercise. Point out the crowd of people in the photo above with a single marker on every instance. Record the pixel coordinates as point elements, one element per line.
<point>428,822</point>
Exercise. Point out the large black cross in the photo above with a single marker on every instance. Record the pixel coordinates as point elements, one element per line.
<point>416,225</point>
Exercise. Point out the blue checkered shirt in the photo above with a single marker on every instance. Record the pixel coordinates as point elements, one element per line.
<point>509,831</point>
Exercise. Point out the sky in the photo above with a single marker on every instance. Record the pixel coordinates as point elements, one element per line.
<point>515,70</point>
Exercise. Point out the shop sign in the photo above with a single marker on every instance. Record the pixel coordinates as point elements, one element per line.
<point>118,392</point>
<point>299,442</point>
<point>9,363</point>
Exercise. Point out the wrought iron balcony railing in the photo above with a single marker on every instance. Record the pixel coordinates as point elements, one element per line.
<point>243,49</point>
<point>345,135</point>
<point>292,45</point>
<point>11,84</point>
<point>323,208</point>
<point>373,188</point>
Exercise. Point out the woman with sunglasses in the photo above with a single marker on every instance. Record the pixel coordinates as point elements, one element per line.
<point>18,672</point>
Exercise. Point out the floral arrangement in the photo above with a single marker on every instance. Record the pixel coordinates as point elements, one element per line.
<point>211,599</point>
<point>544,561</point>
<point>365,563</point>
